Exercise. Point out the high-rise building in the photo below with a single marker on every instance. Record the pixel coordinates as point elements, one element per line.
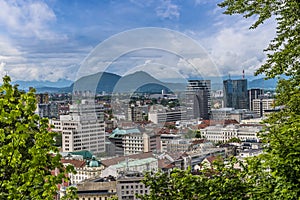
<point>235,94</point>
<point>82,129</point>
<point>198,99</point>
<point>254,93</point>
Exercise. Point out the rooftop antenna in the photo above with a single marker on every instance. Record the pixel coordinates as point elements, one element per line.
<point>229,76</point>
<point>243,74</point>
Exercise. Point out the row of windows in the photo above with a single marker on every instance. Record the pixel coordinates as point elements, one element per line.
<point>94,198</point>
<point>132,186</point>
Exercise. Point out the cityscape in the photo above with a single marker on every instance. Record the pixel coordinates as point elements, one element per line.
<point>111,144</point>
<point>149,100</point>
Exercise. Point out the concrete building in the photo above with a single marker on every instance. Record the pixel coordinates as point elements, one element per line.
<point>235,94</point>
<point>135,143</point>
<point>42,98</point>
<point>232,114</point>
<point>129,184</point>
<point>262,104</point>
<point>97,189</point>
<point>116,138</point>
<point>82,129</point>
<point>162,115</point>
<point>137,113</point>
<point>179,145</point>
<point>221,133</point>
<point>166,139</point>
<point>198,99</point>
<point>254,93</point>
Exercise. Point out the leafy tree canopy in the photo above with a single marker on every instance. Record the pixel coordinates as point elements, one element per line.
<point>25,146</point>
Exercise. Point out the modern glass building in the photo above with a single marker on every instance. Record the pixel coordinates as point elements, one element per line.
<point>235,94</point>
<point>198,99</point>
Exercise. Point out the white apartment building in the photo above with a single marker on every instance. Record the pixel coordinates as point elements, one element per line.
<point>82,129</point>
<point>260,105</point>
<point>220,133</point>
<point>135,143</point>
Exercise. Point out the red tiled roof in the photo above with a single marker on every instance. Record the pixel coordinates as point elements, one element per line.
<point>211,159</point>
<point>75,163</point>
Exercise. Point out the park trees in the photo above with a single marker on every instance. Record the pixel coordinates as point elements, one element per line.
<point>25,146</point>
<point>275,174</point>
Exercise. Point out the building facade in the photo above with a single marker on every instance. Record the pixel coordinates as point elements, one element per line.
<point>254,93</point>
<point>220,133</point>
<point>262,104</point>
<point>82,129</point>
<point>129,184</point>
<point>97,189</point>
<point>198,99</point>
<point>163,115</point>
<point>235,94</point>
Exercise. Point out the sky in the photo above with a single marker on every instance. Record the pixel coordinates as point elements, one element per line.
<point>49,40</point>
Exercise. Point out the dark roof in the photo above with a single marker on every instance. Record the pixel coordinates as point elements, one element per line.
<point>86,154</point>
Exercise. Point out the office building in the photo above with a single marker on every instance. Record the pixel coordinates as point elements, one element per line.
<point>162,115</point>
<point>254,94</point>
<point>82,129</point>
<point>262,104</point>
<point>198,99</point>
<point>235,94</point>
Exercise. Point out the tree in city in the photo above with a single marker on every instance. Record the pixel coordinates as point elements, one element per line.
<point>277,171</point>
<point>27,151</point>
<point>216,182</point>
<point>275,174</point>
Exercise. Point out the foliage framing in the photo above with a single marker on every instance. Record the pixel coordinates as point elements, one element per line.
<point>275,174</point>
<point>26,143</point>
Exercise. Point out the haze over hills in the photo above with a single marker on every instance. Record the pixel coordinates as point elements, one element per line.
<point>138,81</point>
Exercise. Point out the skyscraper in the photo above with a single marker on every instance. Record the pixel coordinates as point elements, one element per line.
<point>235,94</point>
<point>198,99</point>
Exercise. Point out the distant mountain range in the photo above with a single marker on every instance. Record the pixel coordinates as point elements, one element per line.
<point>139,82</point>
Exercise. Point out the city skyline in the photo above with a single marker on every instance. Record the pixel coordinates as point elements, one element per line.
<point>47,40</point>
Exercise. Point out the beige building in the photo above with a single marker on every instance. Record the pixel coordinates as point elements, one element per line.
<point>82,129</point>
<point>97,189</point>
<point>260,105</point>
<point>84,169</point>
<point>135,143</point>
<point>129,184</point>
<point>221,133</point>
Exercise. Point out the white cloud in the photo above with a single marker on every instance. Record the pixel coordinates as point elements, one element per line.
<point>234,47</point>
<point>168,10</point>
<point>27,18</point>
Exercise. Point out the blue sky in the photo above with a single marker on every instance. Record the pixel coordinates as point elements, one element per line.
<point>49,39</point>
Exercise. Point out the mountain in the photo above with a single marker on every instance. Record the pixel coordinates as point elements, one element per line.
<point>262,83</point>
<point>25,85</point>
<point>142,82</point>
<point>139,81</point>
<point>101,81</point>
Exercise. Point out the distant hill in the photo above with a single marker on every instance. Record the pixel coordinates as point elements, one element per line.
<point>55,85</point>
<point>138,81</point>
<point>144,83</point>
<point>262,83</point>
